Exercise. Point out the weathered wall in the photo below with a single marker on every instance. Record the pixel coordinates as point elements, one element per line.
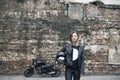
<point>102,51</point>
<point>39,28</point>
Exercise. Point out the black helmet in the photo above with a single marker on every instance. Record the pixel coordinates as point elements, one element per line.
<point>60,57</point>
<point>60,54</point>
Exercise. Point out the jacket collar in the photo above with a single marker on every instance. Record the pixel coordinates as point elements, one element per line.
<point>69,48</point>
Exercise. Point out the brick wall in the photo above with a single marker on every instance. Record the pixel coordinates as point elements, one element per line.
<point>39,28</point>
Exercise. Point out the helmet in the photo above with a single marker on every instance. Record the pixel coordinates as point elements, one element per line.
<point>60,57</point>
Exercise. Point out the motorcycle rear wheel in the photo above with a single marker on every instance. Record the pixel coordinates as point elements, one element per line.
<point>56,74</point>
<point>29,72</point>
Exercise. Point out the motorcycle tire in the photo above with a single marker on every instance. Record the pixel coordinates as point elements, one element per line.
<point>29,72</point>
<point>56,74</point>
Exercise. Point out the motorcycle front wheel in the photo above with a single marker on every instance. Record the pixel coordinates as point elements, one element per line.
<point>29,72</point>
<point>56,74</point>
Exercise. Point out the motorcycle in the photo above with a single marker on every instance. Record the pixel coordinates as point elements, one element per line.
<point>42,67</point>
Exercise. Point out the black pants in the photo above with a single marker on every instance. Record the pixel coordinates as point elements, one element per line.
<point>69,74</point>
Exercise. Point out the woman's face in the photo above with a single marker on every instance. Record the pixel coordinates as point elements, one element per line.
<point>74,37</point>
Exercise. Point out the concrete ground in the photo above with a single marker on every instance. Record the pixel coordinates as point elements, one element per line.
<point>38,77</point>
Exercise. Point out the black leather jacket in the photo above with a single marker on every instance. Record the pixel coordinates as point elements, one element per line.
<point>68,59</point>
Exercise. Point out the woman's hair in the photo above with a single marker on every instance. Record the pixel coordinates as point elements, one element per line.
<point>72,34</point>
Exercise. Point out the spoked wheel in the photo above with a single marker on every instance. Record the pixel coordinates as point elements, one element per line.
<point>29,72</point>
<point>56,74</point>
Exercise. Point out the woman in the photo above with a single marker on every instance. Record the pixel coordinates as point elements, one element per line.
<point>74,58</point>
